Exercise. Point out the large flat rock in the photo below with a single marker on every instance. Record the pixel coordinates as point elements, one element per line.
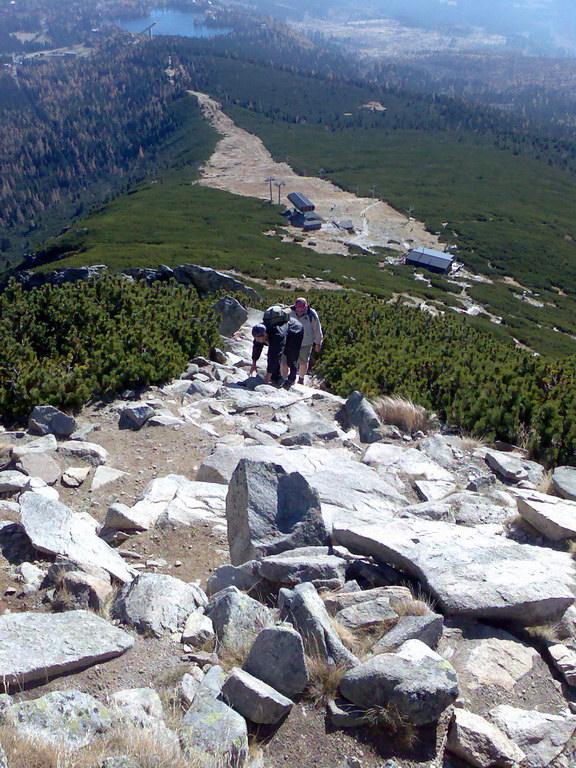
<point>342,482</point>
<point>468,572</point>
<point>54,528</point>
<point>36,646</point>
<point>555,518</point>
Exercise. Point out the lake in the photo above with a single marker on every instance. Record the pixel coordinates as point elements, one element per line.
<point>172,22</point>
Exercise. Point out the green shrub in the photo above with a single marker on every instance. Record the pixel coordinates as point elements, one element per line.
<point>62,345</point>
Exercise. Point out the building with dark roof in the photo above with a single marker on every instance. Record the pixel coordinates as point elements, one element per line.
<point>301,202</point>
<point>435,261</point>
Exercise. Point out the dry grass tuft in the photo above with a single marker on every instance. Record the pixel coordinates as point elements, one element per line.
<point>390,720</point>
<point>404,414</point>
<point>411,607</point>
<point>473,442</point>
<point>544,634</point>
<point>230,656</point>
<point>545,485</point>
<point>325,680</point>
<point>347,636</point>
<point>144,747</point>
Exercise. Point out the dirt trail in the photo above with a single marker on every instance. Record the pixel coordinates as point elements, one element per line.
<point>241,164</point>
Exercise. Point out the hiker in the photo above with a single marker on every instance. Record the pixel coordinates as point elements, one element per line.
<point>283,335</point>
<point>313,337</point>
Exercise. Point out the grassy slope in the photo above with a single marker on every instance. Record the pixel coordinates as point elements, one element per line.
<point>486,195</point>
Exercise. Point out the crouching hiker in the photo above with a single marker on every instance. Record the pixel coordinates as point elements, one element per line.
<point>313,336</point>
<point>283,335</point>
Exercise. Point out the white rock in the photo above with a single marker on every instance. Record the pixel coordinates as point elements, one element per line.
<point>542,737</point>
<point>12,481</point>
<point>41,445</point>
<point>91,453</point>
<point>564,659</point>
<point>104,475</point>
<point>73,477</point>
<point>36,646</point>
<point>197,630</point>
<point>480,743</point>
<point>468,572</point>
<point>555,518</point>
<point>54,528</point>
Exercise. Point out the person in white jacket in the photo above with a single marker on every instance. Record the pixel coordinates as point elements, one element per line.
<point>312,338</point>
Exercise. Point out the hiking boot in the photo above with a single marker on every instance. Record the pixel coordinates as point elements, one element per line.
<point>300,379</point>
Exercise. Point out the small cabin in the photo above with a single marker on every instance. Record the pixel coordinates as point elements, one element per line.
<point>300,202</point>
<point>435,261</point>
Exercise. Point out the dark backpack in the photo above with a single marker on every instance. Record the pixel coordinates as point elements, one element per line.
<point>276,315</point>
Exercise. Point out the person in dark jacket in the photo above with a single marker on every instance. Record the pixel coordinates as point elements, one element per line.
<point>284,341</point>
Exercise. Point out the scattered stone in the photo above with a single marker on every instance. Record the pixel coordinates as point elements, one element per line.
<point>31,576</point>
<point>270,511</point>
<point>45,420</point>
<point>198,630</point>
<point>480,743</point>
<point>433,490</point>
<point>12,481</point>
<point>169,500</point>
<point>76,589</point>
<point>468,572</point>
<point>345,715</point>
<point>54,528</point>
<point>83,432</point>
<point>141,707</point>
<point>103,476</point>
<point>188,686</point>
<point>237,618</point>
<point>158,603</point>
<point>415,680</point>
<point>41,445</point>
<point>91,453</point>
<point>39,465</point>
<point>412,463</point>
<point>244,576</point>
<point>324,571</point>
<point>37,646</point>
<point>368,615</point>
<point>69,718</point>
<point>337,601</point>
<point>273,428</point>
<point>254,699</point>
<point>135,416</point>
<point>73,477</point>
<point>555,518</point>
<point>277,657</point>
<point>304,609</point>
<point>427,629</point>
<point>507,465</point>
<point>362,415</point>
<point>36,485</point>
<point>564,660</point>
<point>232,315</point>
<point>542,737</point>
<point>211,732</point>
<point>297,438</point>
<point>564,482</point>
<point>164,418</point>
<point>437,448</point>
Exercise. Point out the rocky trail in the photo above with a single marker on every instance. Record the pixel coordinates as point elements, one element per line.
<point>241,164</point>
<point>219,574</point>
